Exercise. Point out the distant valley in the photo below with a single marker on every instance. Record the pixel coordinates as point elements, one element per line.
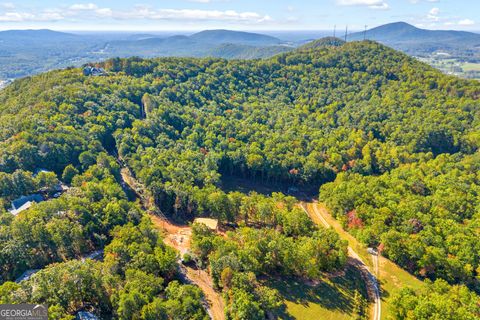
<point>29,52</point>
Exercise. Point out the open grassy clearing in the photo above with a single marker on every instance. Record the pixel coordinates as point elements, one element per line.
<point>471,66</point>
<point>331,299</point>
<point>454,66</point>
<point>392,278</point>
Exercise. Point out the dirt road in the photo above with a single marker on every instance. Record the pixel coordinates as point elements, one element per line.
<point>178,237</point>
<point>371,281</point>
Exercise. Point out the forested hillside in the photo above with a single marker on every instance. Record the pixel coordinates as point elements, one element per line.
<point>28,52</point>
<point>393,144</point>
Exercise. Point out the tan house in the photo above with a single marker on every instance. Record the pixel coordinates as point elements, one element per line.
<point>212,224</point>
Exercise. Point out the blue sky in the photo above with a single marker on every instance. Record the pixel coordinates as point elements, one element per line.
<point>236,14</point>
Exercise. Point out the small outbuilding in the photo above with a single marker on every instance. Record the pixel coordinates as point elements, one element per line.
<point>94,71</point>
<point>212,224</point>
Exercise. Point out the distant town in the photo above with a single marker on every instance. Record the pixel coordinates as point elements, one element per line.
<point>4,83</point>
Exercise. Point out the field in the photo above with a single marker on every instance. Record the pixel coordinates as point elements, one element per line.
<point>392,278</point>
<point>455,67</point>
<point>331,299</point>
<point>471,66</point>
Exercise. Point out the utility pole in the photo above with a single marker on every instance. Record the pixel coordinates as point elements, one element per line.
<point>346,32</point>
<point>365,33</point>
<point>334,31</point>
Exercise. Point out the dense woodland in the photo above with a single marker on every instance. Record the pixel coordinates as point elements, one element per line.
<point>284,242</point>
<point>135,281</point>
<point>393,144</point>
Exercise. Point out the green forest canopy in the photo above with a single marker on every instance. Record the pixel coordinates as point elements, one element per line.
<point>393,143</point>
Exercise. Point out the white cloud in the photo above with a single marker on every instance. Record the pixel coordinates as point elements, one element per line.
<point>207,1</point>
<point>50,16</point>
<point>418,1</point>
<point>15,17</point>
<point>434,11</point>
<point>359,2</point>
<point>83,6</point>
<point>7,5</point>
<point>104,12</point>
<point>373,4</point>
<point>92,11</point>
<point>433,14</point>
<point>466,22</point>
<point>91,8</point>
<point>383,6</point>
<point>436,18</point>
<point>143,12</point>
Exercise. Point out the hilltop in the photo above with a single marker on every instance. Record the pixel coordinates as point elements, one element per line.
<point>236,37</point>
<point>391,144</point>
<point>26,52</point>
<point>405,37</point>
<point>404,32</point>
<point>323,42</point>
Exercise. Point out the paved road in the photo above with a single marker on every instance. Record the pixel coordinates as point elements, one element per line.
<point>371,280</point>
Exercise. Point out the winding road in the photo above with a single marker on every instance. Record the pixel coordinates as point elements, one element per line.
<point>370,279</point>
<point>214,302</point>
<point>177,237</point>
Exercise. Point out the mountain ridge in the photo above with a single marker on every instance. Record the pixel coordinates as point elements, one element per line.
<point>402,31</point>
<point>231,36</point>
<point>416,41</point>
<point>35,33</point>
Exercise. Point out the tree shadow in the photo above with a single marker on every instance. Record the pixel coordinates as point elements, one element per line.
<point>335,294</point>
<point>245,185</point>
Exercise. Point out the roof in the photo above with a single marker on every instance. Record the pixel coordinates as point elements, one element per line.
<point>85,315</point>
<point>17,203</point>
<point>40,170</point>
<point>26,206</point>
<point>93,71</point>
<point>95,255</point>
<point>211,223</point>
<point>26,275</point>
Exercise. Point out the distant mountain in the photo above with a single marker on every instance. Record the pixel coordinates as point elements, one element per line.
<point>166,42</point>
<point>27,52</point>
<point>404,32</point>
<point>410,39</point>
<point>216,43</point>
<point>236,37</point>
<point>42,35</point>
